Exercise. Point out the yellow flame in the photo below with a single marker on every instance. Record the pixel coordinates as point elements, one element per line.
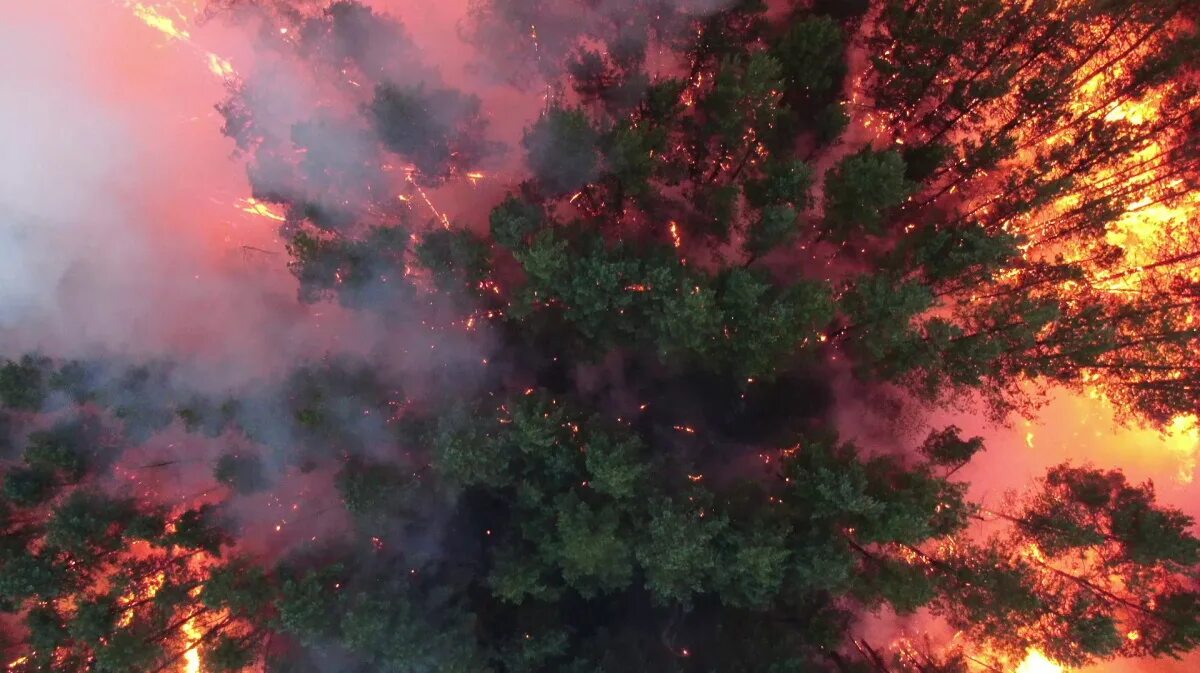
<point>1182,437</point>
<point>1036,662</point>
<point>193,634</point>
<point>255,207</point>
<point>151,588</point>
<point>191,657</point>
<point>155,19</point>
<point>219,66</point>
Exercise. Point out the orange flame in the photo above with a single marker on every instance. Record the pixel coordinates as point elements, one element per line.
<point>1036,662</point>
<point>191,657</point>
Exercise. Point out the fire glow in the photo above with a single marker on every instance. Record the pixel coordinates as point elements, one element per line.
<point>1147,225</point>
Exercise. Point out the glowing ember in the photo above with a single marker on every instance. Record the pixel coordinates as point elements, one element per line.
<point>676,239</point>
<point>1036,662</point>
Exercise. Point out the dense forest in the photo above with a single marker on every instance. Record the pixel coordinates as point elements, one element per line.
<point>722,207</point>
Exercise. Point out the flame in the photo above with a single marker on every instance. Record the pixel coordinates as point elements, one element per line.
<point>220,67</point>
<point>1182,438</point>
<point>153,18</point>
<point>437,214</point>
<point>191,656</point>
<point>1036,662</point>
<point>151,588</point>
<point>255,207</point>
<point>1034,552</point>
<point>676,239</point>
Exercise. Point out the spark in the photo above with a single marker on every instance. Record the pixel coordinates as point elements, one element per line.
<point>676,239</point>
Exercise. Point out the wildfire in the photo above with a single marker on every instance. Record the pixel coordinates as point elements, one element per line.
<point>1036,662</point>
<point>1153,230</point>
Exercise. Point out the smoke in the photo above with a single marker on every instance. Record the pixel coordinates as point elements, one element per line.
<point>119,234</point>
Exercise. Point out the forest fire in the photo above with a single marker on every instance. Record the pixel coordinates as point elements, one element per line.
<point>900,219</point>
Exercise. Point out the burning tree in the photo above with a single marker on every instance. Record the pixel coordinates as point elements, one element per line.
<point>104,583</point>
<point>717,209</point>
